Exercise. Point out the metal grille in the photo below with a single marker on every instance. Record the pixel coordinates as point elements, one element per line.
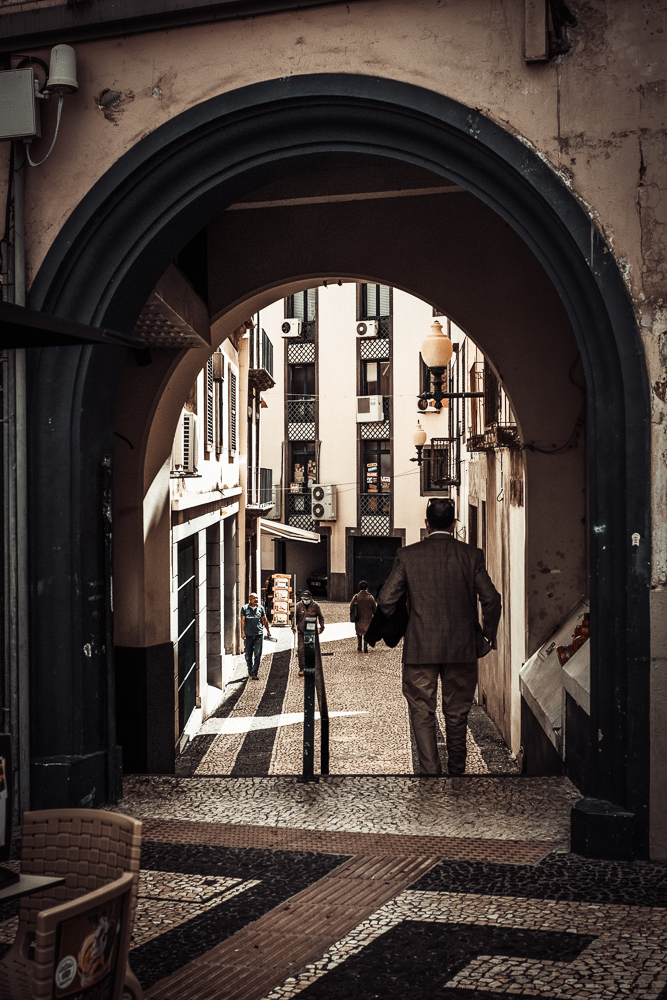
<point>374,349</point>
<point>300,353</point>
<point>301,411</point>
<point>375,504</point>
<point>299,504</point>
<point>301,432</point>
<point>383,326</point>
<point>303,521</point>
<point>210,406</point>
<point>375,526</point>
<point>440,465</point>
<point>375,431</point>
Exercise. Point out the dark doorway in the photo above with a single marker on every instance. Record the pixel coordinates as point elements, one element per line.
<point>373,559</point>
<point>187,630</point>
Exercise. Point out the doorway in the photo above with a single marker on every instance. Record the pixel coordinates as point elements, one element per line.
<point>373,559</point>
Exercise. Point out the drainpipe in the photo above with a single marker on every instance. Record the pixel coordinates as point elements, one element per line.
<point>15,521</point>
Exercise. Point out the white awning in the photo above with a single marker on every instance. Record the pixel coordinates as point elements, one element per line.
<point>287,531</point>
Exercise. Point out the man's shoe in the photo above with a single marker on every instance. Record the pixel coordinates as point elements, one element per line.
<point>254,677</point>
<point>301,673</point>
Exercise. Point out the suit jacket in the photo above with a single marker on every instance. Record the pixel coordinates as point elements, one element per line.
<point>391,628</point>
<point>442,578</point>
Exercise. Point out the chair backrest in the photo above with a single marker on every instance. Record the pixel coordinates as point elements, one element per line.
<point>88,847</point>
<point>84,943</point>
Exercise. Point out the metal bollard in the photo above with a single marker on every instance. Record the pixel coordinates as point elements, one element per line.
<point>310,649</point>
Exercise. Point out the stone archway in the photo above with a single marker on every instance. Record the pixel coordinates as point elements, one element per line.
<point>115,245</point>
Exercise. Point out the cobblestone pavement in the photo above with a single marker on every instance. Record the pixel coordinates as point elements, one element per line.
<point>255,886</point>
<point>258,730</point>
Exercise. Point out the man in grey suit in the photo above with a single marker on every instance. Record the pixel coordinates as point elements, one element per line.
<point>442,578</point>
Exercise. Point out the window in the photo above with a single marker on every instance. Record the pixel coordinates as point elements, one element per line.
<point>436,472</point>
<point>302,381</point>
<point>375,301</point>
<point>376,467</point>
<point>302,305</point>
<point>209,432</point>
<point>218,365</point>
<point>375,378</point>
<point>232,411</point>
<point>491,396</point>
<point>303,465</point>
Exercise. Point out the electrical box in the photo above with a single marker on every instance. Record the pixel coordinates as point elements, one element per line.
<point>324,502</point>
<point>369,409</point>
<point>19,114</point>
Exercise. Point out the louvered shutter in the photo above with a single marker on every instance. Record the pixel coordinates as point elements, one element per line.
<point>210,407</point>
<point>384,306</point>
<point>232,411</point>
<point>311,303</point>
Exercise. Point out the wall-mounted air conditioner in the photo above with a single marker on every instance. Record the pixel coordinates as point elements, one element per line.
<point>428,406</point>
<point>291,328</point>
<point>367,328</point>
<point>324,502</point>
<point>369,409</point>
<point>190,454</point>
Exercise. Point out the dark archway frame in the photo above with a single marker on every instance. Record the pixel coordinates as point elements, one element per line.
<point>123,234</point>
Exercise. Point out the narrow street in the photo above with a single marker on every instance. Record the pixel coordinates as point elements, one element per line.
<point>258,730</point>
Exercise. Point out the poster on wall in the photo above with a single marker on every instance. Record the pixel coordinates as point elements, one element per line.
<point>371,477</point>
<point>298,473</point>
<point>312,471</point>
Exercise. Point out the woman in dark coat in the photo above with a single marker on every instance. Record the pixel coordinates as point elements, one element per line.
<point>362,609</point>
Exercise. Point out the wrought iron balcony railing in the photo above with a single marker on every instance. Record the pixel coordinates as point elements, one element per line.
<point>301,411</point>
<point>259,491</point>
<point>375,504</point>
<point>260,361</point>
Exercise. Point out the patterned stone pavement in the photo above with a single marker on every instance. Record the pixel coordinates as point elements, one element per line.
<point>252,883</point>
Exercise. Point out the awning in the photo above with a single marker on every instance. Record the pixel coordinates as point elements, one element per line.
<point>287,531</point>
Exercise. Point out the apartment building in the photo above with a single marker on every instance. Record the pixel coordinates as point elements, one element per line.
<point>353,387</point>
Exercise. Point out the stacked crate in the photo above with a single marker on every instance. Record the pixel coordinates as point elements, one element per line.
<point>282,599</point>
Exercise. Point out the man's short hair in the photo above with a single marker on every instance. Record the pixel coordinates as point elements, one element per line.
<point>440,513</point>
<point>363,585</point>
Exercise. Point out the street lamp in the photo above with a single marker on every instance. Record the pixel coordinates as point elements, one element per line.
<point>437,352</point>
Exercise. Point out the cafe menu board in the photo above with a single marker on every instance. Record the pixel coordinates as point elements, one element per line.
<point>87,954</point>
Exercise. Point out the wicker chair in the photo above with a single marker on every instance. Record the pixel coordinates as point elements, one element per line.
<point>101,954</point>
<point>90,848</point>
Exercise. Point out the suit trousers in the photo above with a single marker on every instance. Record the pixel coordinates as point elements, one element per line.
<point>420,688</point>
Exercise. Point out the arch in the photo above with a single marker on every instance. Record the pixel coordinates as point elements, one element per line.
<point>123,234</point>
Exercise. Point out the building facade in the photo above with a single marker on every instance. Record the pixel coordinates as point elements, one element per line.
<point>510,178</point>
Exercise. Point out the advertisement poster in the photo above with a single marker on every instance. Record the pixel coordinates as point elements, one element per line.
<point>87,952</point>
<point>371,477</point>
<point>312,471</point>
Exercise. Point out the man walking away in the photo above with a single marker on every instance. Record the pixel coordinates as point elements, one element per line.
<point>442,578</point>
<point>253,616</point>
<point>362,609</point>
<point>305,608</point>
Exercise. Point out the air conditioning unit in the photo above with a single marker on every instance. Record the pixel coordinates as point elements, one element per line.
<point>291,328</point>
<point>367,328</point>
<point>189,437</point>
<point>369,409</point>
<point>428,406</point>
<point>324,502</point>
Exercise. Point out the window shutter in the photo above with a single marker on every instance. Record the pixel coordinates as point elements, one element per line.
<point>311,303</point>
<point>210,407</point>
<point>370,305</point>
<point>232,411</point>
<point>384,303</point>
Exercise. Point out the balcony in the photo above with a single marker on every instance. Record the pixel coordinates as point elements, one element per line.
<point>299,510</point>
<point>301,419</point>
<point>260,362</point>
<point>259,493</point>
<point>375,513</point>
